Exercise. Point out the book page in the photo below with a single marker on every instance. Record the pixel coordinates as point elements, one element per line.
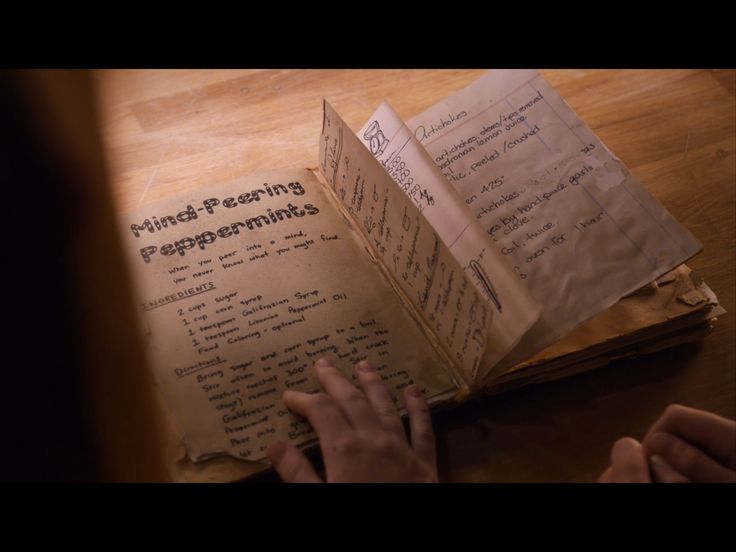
<point>576,226</point>
<point>411,167</point>
<point>242,287</point>
<point>418,263</point>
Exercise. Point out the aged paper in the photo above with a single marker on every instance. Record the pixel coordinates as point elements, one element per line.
<point>411,167</point>
<point>577,227</point>
<point>677,308</point>
<point>242,287</point>
<point>419,263</point>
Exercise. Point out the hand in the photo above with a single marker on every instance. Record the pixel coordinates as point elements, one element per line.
<point>361,434</point>
<point>628,463</point>
<point>683,445</point>
<point>686,444</point>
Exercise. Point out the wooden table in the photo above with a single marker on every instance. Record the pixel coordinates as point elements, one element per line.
<point>171,131</point>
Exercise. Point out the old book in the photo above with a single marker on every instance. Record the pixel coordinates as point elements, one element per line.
<point>490,242</point>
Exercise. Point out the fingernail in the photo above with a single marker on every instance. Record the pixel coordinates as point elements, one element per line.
<point>323,362</point>
<point>414,391</point>
<point>365,366</point>
<point>658,461</point>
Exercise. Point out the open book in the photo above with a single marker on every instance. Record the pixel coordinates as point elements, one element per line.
<point>488,242</point>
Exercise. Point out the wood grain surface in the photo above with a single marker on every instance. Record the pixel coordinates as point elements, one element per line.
<point>168,131</point>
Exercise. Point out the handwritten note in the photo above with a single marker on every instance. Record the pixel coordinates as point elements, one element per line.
<point>242,287</point>
<point>579,230</point>
<point>412,169</point>
<point>419,263</point>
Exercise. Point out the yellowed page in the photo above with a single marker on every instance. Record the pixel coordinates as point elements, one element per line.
<point>419,263</point>
<point>242,287</point>
<point>411,167</point>
<point>678,307</point>
<point>577,227</point>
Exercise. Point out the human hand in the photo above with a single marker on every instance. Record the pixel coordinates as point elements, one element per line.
<point>687,444</point>
<point>683,445</point>
<point>360,432</point>
<point>628,463</point>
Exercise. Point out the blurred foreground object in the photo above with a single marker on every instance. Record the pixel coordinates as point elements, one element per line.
<point>77,395</point>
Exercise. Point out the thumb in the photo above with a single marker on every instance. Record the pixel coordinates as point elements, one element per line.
<point>629,462</point>
<point>291,464</point>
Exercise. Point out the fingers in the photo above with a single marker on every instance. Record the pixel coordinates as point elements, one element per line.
<point>628,462</point>
<point>291,464</point>
<point>345,409</point>
<point>321,411</point>
<point>712,434</point>
<point>660,469</point>
<point>689,461</point>
<point>420,422</point>
<point>353,404</point>
<point>379,397</point>
<point>662,472</point>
